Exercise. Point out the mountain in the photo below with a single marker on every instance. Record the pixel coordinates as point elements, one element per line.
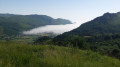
<point>7,15</point>
<point>101,34</point>
<point>109,23</point>
<point>12,24</point>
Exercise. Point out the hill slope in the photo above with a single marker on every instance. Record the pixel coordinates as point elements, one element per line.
<point>14,54</point>
<point>102,35</point>
<point>11,24</point>
<point>109,23</point>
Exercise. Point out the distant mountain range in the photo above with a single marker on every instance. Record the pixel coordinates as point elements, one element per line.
<point>12,24</point>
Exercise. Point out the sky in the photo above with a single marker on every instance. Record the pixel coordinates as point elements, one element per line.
<point>79,11</point>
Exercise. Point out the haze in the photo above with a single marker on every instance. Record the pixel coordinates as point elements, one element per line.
<point>56,29</point>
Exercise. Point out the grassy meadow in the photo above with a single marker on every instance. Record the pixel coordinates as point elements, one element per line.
<point>19,54</point>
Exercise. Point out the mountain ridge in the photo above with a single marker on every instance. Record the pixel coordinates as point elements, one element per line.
<point>108,23</point>
<point>12,24</point>
<point>101,34</point>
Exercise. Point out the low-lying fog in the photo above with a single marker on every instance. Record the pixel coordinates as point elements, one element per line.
<point>56,29</point>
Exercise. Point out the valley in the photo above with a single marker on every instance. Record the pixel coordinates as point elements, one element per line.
<point>95,43</point>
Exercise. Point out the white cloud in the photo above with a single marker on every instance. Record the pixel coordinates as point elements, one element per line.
<point>56,29</point>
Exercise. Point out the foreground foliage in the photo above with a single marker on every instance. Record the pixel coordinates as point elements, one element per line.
<point>15,54</point>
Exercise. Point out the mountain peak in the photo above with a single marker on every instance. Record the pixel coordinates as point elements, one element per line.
<point>118,12</point>
<point>107,13</point>
<point>109,23</point>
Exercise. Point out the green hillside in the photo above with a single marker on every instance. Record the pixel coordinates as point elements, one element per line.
<point>101,34</point>
<point>16,54</point>
<point>109,23</point>
<point>11,24</point>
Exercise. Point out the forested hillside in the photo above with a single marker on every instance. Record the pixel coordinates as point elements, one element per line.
<point>11,24</point>
<point>101,34</point>
<point>109,23</point>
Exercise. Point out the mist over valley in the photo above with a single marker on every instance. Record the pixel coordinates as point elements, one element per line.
<point>56,29</point>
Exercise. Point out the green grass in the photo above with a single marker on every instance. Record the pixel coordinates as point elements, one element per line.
<point>16,54</point>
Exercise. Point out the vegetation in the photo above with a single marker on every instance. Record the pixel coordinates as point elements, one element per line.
<point>109,23</point>
<point>11,24</point>
<point>41,40</point>
<point>17,54</point>
<point>106,44</point>
<point>100,35</point>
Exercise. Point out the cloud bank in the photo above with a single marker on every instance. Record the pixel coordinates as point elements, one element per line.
<point>56,29</point>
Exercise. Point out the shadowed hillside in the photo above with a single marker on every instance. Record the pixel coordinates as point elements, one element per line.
<point>11,24</point>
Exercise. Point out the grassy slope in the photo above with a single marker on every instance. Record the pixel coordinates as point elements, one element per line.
<point>23,55</point>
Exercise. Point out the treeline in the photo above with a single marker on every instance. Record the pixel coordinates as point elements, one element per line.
<point>104,44</point>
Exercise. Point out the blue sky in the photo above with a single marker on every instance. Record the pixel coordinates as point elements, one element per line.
<point>78,11</point>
